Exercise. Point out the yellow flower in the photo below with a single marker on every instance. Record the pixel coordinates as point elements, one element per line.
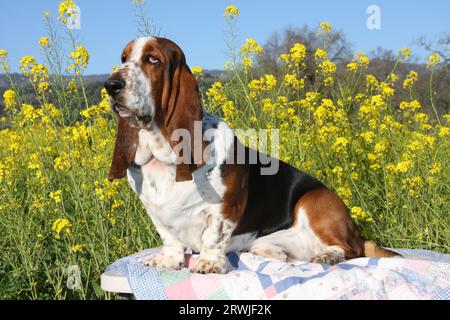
<point>197,71</point>
<point>371,81</point>
<point>43,42</point>
<point>352,66</point>
<point>415,185</point>
<point>447,117</point>
<point>231,12</point>
<point>326,27</point>
<point>216,94</point>
<point>320,54</point>
<point>10,99</point>
<point>405,53</point>
<point>386,89</point>
<point>380,147</point>
<point>292,81</point>
<point>360,214</point>
<point>4,60</point>
<point>338,171</point>
<point>117,203</point>
<point>43,87</point>
<point>340,145</point>
<point>327,67</point>
<point>325,111</point>
<point>403,166</point>
<point>421,117</point>
<point>62,225</point>
<point>29,114</point>
<point>26,64</point>
<point>411,78</point>
<point>345,193</point>
<point>34,162</point>
<point>393,78</point>
<point>251,47</point>
<point>62,163</point>
<point>435,169</point>
<point>270,82</point>
<point>265,83</point>
<point>411,106</point>
<point>72,86</point>
<point>368,136</point>
<point>50,110</point>
<point>444,132</point>
<point>433,60</point>
<point>362,60</point>
<point>80,59</point>
<point>248,51</point>
<point>66,9</point>
<point>56,196</point>
<point>354,175</point>
<point>298,53</point>
<point>229,110</point>
<point>77,248</point>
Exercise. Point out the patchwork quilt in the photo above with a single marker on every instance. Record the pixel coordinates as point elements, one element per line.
<point>420,275</point>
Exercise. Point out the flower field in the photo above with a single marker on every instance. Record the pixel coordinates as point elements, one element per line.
<point>390,163</point>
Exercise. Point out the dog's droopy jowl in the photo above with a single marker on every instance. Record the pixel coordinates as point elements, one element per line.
<point>214,207</point>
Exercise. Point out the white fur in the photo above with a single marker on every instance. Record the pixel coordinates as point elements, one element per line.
<point>296,243</point>
<point>137,96</point>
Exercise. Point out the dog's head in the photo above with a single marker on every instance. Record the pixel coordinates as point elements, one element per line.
<point>153,89</point>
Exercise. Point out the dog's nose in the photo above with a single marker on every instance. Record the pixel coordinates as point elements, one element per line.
<point>114,85</point>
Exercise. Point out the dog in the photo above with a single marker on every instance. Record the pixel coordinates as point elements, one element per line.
<point>214,207</point>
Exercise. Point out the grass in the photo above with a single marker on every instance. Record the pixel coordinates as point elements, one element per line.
<point>389,164</point>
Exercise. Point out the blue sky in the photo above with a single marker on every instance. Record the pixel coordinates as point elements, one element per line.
<point>198,26</point>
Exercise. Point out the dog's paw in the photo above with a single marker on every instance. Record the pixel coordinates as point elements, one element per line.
<point>164,260</point>
<point>210,266</point>
<point>331,256</point>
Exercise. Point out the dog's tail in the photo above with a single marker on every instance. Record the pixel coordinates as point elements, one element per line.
<point>372,250</point>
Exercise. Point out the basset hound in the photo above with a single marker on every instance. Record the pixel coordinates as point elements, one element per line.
<point>214,207</point>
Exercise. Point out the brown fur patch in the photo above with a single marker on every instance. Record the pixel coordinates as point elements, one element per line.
<point>235,179</point>
<point>127,140</point>
<point>371,249</point>
<point>329,219</point>
<point>179,99</point>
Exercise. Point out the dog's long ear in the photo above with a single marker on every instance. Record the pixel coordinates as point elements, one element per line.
<point>127,140</point>
<point>182,108</point>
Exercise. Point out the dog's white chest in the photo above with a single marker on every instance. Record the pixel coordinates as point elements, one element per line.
<point>177,207</point>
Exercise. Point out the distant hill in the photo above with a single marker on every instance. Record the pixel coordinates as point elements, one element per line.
<point>93,83</point>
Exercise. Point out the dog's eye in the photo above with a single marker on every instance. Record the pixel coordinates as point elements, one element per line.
<point>152,60</point>
<point>124,58</point>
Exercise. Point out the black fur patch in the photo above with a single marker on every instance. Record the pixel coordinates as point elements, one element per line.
<point>272,198</point>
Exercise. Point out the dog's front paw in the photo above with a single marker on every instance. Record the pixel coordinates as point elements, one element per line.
<point>210,266</point>
<point>165,260</point>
